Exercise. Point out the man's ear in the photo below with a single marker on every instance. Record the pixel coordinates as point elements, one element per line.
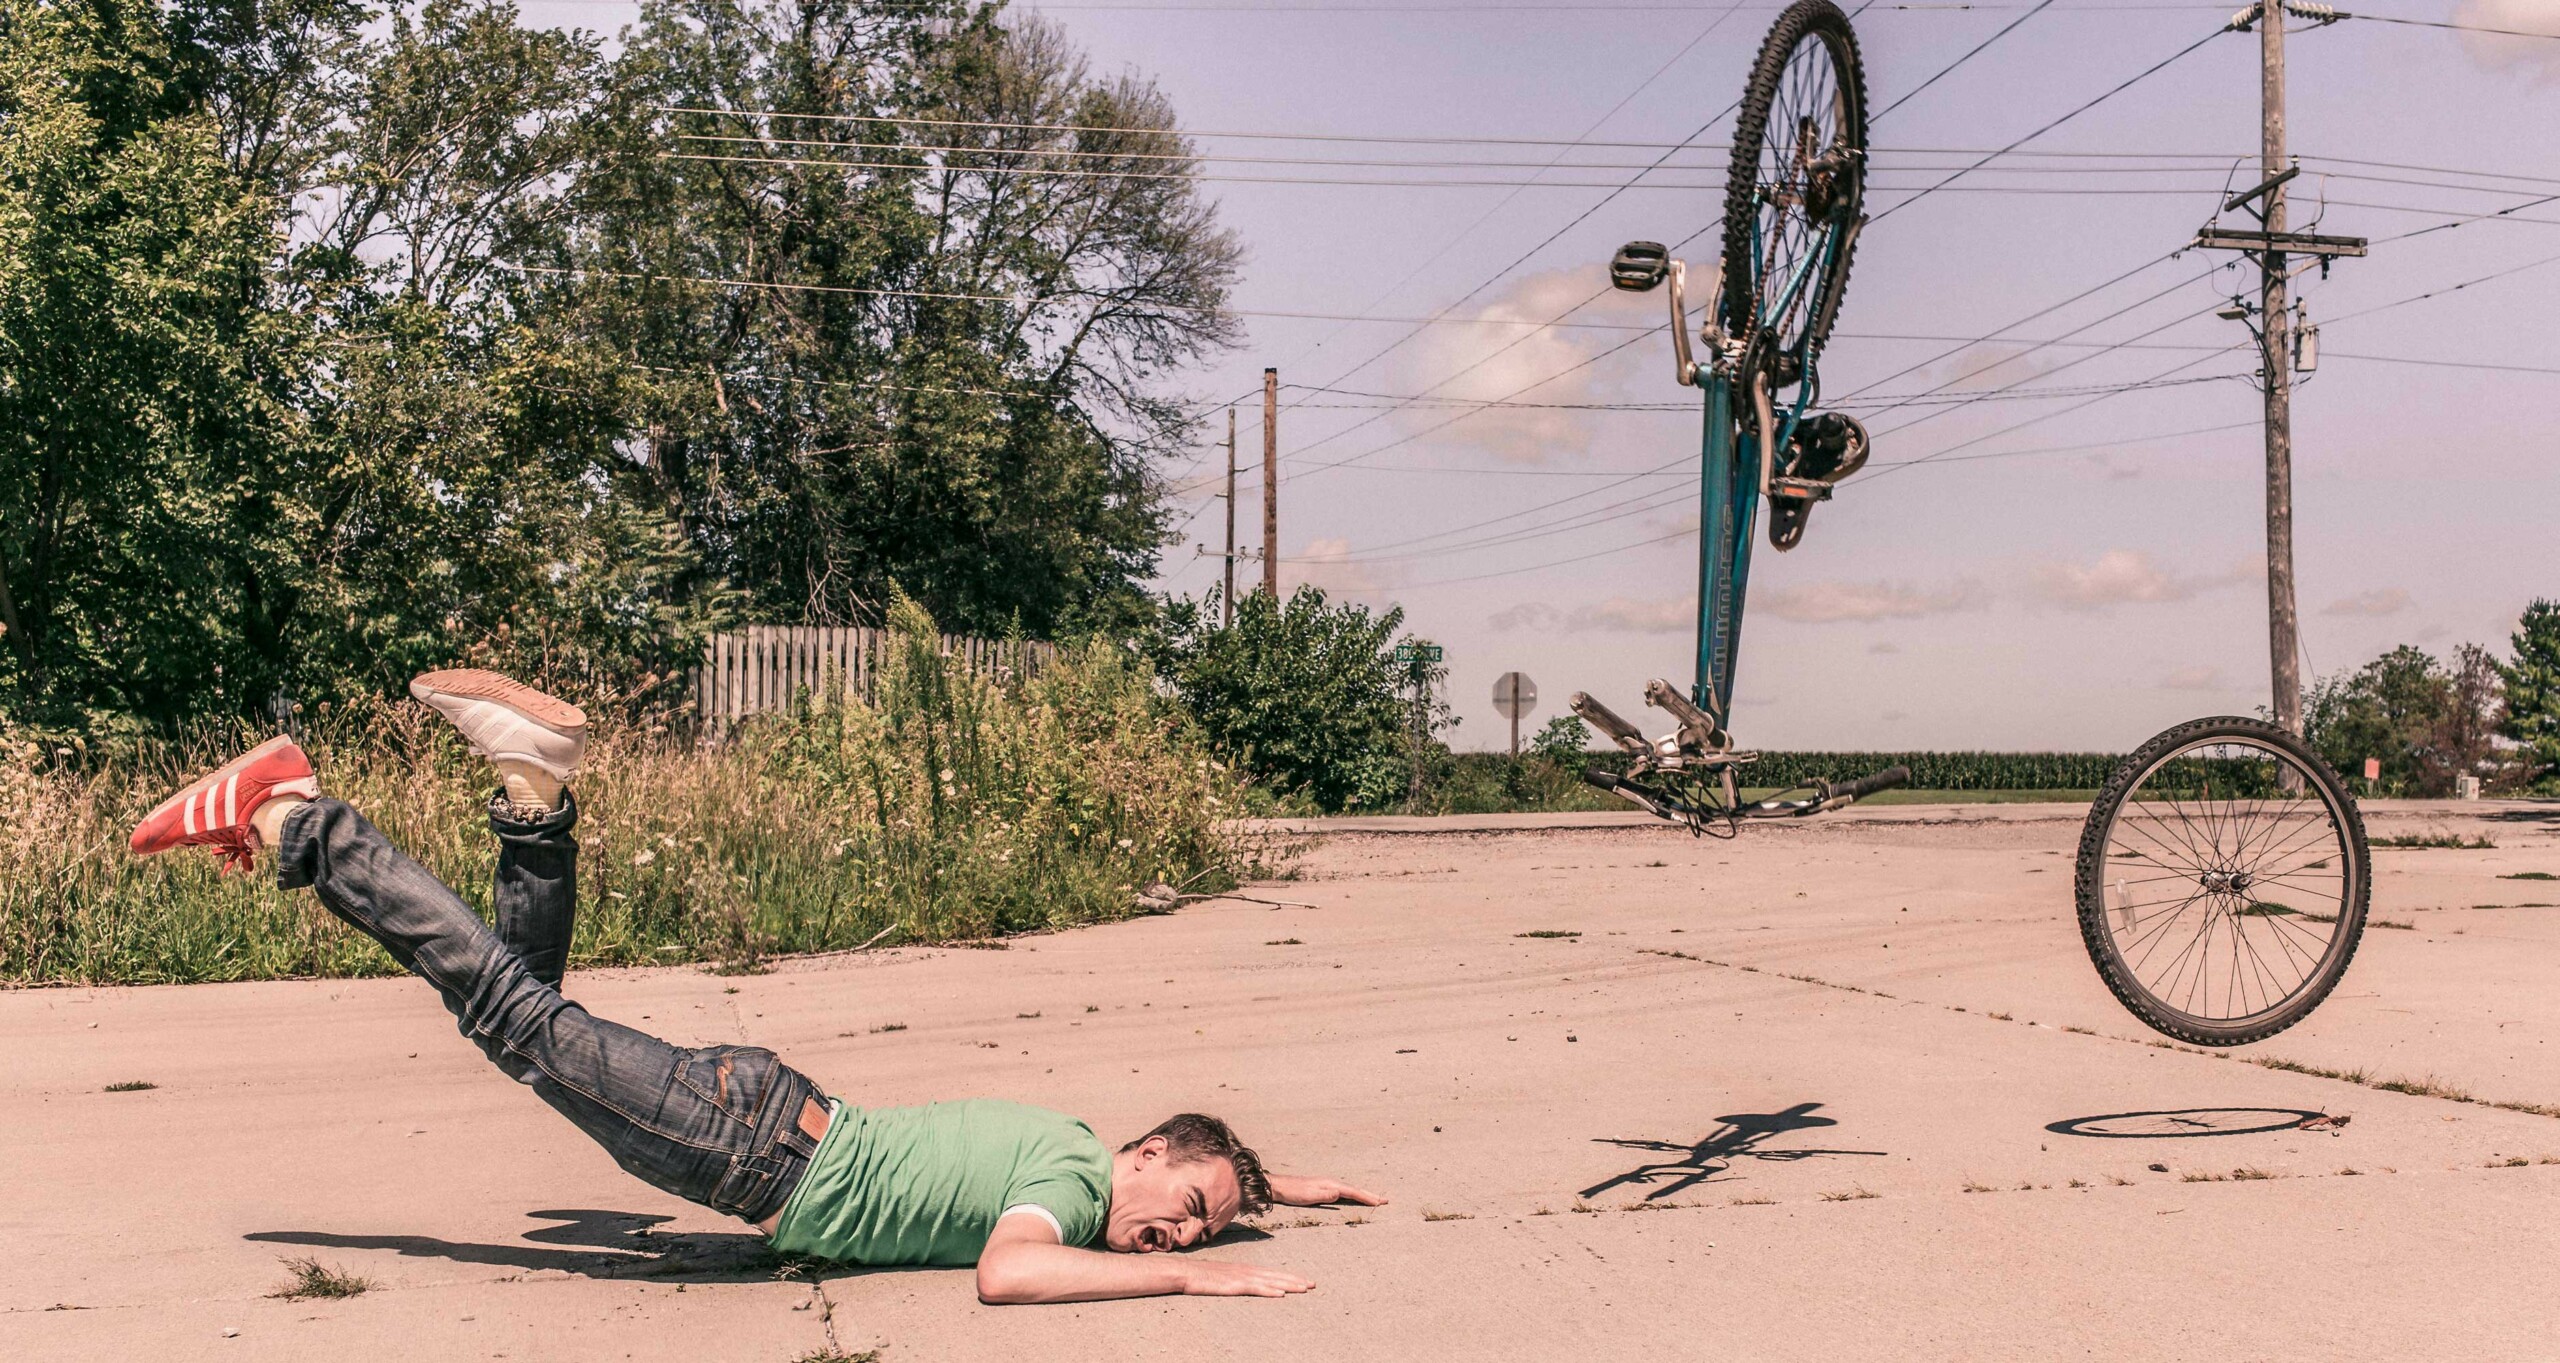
<point>1152,1149</point>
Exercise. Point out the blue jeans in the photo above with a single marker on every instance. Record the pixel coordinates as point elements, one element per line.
<point>718,1125</point>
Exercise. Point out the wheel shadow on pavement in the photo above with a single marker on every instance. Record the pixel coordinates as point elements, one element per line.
<point>1740,1136</point>
<point>594,1244</point>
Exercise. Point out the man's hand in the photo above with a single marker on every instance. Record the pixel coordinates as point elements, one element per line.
<point>1301,1191</point>
<point>1219,1278</point>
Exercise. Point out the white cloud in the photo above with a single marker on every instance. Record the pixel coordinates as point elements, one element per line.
<point>1823,603</point>
<point>2536,57</point>
<point>1990,366</point>
<point>2382,601</point>
<point>1617,615</point>
<point>1489,363</point>
<point>2194,679</point>
<point>2123,577</point>
<point>1327,563</point>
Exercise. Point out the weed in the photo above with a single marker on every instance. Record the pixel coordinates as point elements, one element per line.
<point>2530,875</point>
<point>2252,1175</point>
<point>2119,1182</point>
<point>1093,1008</point>
<point>132,1086</point>
<point>1355,1221</point>
<point>2200,1177</point>
<point>2511,1162</point>
<point>2081,1031</point>
<point>2076,1183</point>
<point>1019,1017</point>
<point>809,830</point>
<point>1852,1195</point>
<point>890,1027</point>
<point>1430,1215</point>
<point>1284,942</point>
<point>2429,1087</point>
<point>2449,841</point>
<point>1548,933</point>
<point>1753,1202</point>
<point>1305,1223</point>
<point>1582,1208</point>
<point>1642,1205</point>
<point>313,1279</point>
<point>1972,1187</point>
<point>2350,1171</point>
<point>2002,1017</point>
<point>838,1356</point>
<point>1544,1211</point>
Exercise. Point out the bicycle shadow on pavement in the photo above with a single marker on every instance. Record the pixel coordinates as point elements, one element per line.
<point>1743,1135</point>
<point>611,1245</point>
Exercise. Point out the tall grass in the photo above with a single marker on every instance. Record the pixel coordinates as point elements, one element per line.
<point>953,805</point>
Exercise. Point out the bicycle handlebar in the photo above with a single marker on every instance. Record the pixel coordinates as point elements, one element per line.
<point>1865,786</point>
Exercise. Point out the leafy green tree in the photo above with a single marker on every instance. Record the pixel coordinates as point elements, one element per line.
<point>928,362</point>
<point>143,391</point>
<point>2424,722</point>
<point>1307,695</point>
<point>2532,691</point>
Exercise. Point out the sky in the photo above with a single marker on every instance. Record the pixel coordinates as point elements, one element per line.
<point>2074,571</point>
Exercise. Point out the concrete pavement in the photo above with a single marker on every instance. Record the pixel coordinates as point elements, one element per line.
<point>1856,1071</point>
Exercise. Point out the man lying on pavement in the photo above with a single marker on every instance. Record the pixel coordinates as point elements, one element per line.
<point>1019,1191</point>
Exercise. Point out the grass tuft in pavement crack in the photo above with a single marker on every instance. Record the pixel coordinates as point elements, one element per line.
<point>313,1279</point>
<point>132,1086</point>
<point>1547,933</point>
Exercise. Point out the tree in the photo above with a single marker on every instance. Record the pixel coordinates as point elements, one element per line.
<point>934,361</point>
<point>2532,691</point>
<point>1306,695</point>
<point>2426,724</point>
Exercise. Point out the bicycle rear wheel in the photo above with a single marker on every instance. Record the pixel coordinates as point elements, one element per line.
<point>1796,185</point>
<point>2223,880</point>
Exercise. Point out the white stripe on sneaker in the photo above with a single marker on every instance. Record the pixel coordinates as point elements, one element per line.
<point>231,800</point>
<point>189,807</point>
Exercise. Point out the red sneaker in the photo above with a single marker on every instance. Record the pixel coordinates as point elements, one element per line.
<point>215,811</point>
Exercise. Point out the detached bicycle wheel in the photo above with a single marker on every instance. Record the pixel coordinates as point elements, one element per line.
<point>1796,183</point>
<point>2223,881</point>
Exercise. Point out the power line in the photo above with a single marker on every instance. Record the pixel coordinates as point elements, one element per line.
<point>2438,23</point>
<point>2120,88</point>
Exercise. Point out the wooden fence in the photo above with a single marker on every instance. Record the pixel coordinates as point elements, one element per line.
<point>760,668</point>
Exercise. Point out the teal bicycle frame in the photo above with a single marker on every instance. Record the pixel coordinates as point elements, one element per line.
<point>1733,471</point>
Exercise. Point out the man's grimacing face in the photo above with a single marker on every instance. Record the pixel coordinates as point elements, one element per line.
<point>1158,1203</point>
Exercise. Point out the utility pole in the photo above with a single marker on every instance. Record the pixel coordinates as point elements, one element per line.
<point>2277,327</point>
<point>1271,483</point>
<point>1229,599</point>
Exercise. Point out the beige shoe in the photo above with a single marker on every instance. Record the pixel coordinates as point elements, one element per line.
<point>505,720</point>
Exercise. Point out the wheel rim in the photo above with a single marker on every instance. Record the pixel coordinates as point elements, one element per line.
<point>1805,167</point>
<point>2230,882</point>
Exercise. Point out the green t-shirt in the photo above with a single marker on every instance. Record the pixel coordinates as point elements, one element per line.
<point>925,1185</point>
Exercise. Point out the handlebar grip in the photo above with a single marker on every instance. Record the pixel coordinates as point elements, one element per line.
<point>1865,786</point>
<point>1602,777</point>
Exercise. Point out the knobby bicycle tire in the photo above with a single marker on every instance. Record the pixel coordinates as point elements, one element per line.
<point>2356,871</point>
<point>1740,307</point>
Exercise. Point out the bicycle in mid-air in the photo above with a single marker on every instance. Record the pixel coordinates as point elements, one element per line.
<point>2223,872</point>
<point>1794,200</point>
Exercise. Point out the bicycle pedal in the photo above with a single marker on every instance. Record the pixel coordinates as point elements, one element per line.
<point>1801,489</point>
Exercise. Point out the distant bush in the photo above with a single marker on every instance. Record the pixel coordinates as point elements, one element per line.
<point>1305,695</point>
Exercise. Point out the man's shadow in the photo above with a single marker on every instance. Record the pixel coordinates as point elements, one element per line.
<point>617,1245</point>
<point>1740,1136</point>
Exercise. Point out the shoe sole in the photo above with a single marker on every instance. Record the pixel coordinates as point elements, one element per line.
<point>471,683</point>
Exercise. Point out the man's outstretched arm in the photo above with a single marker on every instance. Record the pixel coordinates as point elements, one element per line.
<point>1024,1263</point>
<point>1298,1190</point>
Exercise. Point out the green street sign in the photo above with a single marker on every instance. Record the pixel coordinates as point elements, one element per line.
<point>1408,653</point>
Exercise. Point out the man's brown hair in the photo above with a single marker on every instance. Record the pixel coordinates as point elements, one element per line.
<point>1192,1136</point>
